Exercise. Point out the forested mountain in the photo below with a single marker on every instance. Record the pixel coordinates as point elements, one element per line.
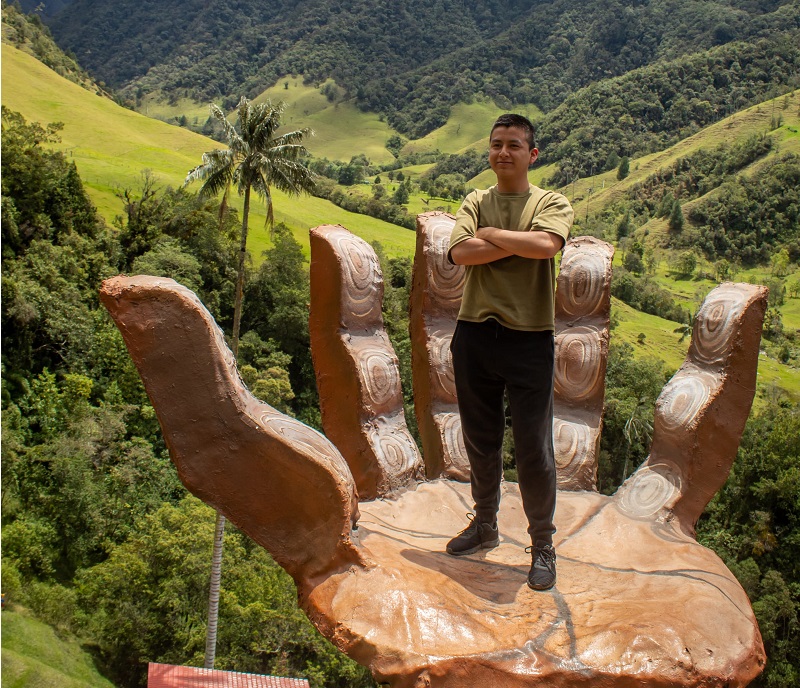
<point>408,60</point>
<point>46,8</point>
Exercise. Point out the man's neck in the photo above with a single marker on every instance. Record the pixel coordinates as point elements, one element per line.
<point>509,186</point>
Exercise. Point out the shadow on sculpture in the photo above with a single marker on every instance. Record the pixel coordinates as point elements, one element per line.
<point>638,602</point>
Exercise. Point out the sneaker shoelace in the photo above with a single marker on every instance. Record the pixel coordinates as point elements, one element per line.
<point>544,554</point>
<point>473,524</point>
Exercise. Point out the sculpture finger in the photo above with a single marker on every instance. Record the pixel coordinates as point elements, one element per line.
<point>358,374</point>
<point>583,307</point>
<point>435,299</point>
<point>278,480</point>
<point>701,412</point>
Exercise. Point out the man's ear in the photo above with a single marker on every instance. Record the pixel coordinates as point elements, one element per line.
<point>534,155</point>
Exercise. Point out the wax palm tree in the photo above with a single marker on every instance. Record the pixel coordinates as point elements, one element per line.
<point>637,429</point>
<point>255,160</point>
<point>685,329</point>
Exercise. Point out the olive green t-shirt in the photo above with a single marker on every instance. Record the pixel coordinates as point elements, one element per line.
<point>518,292</point>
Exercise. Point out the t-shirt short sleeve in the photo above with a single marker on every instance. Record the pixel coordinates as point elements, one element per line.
<point>555,216</point>
<point>466,225</point>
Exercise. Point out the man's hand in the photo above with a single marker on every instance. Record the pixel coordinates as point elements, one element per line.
<point>532,244</point>
<point>477,251</point>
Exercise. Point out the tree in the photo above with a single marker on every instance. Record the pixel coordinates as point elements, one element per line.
<point>256,159</point>
<point>685,265</point>
<point>685,329</point>
<point>676,218</point>
<point>401,195</point>
<point>350,174</point>
<point>624,226</point>
<point>780,263</point>
<point>624,168</point>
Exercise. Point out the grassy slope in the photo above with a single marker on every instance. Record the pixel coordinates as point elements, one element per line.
<point>35,657</point>
<point>111,146</point>
<point>196,113</point>
<point>660,340</point>
<point>341,129</point>
<point>467,127</point>
<point>690,292</point>
<point>755,120</point>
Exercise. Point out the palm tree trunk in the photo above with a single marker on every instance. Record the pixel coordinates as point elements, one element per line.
<point>213,594</point>
<point>216,557</point>
<point>237,304</point>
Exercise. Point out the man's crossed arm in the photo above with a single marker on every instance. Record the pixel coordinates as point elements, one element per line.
<point>491,243</point>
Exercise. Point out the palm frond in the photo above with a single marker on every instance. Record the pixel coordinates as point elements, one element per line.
<point>230,131</point>
<point>292,137</point>
<point>268,121</point>
<point>290,176</point>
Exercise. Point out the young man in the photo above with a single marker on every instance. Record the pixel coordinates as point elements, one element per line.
<point>508,236</point>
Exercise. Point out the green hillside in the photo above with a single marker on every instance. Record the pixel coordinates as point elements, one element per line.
<point>112,145</point>
<point>29,34</point>
<point>606,189</point>
<point>341,129</point>
<point>34,656</point>
<point>119,144</point>
<point>467,127</point>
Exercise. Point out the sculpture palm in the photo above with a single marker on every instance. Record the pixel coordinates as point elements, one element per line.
<point>638,601</point>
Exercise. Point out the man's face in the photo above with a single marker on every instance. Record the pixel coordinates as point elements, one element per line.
<point>509,155</point>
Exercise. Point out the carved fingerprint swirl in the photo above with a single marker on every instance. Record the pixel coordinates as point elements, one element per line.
<point>571,442</point>
<point>307,440</point>
<point>442,364</point>
<point>715,322</point>
<point>395,449</point>
<point>446,280</point>
<point>379,375</point>
<point>582,283</point>
<point>650,490</point>
<point>682,399</point>
<point>578,362</point>
<point>452,438</point>
<point>362,276</point>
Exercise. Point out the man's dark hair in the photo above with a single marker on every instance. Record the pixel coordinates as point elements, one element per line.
<point>511,120</point>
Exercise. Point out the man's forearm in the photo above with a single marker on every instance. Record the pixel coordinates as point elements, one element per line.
<point>476,251</point>
<point>533,244</point>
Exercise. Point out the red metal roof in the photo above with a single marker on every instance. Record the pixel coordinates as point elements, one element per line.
<point>171,676</point>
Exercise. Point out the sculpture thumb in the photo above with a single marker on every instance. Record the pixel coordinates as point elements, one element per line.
<point>279,481</point>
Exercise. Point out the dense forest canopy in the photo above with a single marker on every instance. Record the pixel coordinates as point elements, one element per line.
<point>410,61</point>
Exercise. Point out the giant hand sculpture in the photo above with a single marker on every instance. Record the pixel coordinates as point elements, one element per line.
<point>638,602</point>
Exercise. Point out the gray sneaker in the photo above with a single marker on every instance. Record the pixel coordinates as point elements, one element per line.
<point>542,575</point>
<point>475,536</point>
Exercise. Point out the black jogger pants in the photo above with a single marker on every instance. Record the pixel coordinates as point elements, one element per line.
<point>489,359</point>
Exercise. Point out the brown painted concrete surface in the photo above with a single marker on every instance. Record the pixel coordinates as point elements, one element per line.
<point>637,603</point>
<point>436,291</point>
<point>358,374</point>
<point>583,312</point>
